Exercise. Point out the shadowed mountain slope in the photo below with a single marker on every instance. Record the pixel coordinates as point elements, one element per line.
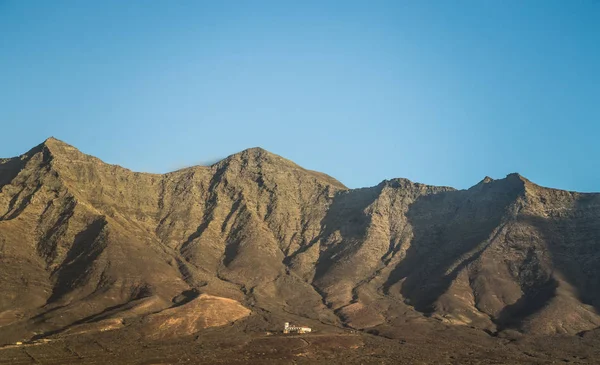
<point>84,244</point>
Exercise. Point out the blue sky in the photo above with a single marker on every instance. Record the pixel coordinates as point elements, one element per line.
<point>440,92</point>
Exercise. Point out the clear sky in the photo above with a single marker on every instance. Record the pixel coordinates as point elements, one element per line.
<point>440,92</point>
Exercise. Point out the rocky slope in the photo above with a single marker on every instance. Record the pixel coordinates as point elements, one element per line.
<point>86,245</point>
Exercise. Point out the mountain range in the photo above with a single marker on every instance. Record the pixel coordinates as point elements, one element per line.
<point>255,239</point>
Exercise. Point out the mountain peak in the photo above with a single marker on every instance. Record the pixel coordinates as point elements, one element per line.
<point>256,152</point>
<point>260,159</point>
<point>58,148</point>
<point>511,181</point>
<point>516,177</point>
<point>486,180</point>
<point>53,143</point>
<point>52,139</point>
<point>257,155</point>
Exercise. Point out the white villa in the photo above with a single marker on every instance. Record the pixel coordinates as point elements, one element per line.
<point>287,328</point>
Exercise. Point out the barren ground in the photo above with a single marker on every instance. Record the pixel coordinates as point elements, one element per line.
<point>231,345</point>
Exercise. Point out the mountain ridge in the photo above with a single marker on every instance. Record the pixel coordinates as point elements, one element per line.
<point>86,238</point>
<point>55,145</point>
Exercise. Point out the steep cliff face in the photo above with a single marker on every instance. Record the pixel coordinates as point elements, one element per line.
<point>82,241</point>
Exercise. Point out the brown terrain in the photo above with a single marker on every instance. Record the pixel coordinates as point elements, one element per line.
<point>99,264</point>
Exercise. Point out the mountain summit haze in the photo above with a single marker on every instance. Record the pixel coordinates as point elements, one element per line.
<point>254,240</point>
